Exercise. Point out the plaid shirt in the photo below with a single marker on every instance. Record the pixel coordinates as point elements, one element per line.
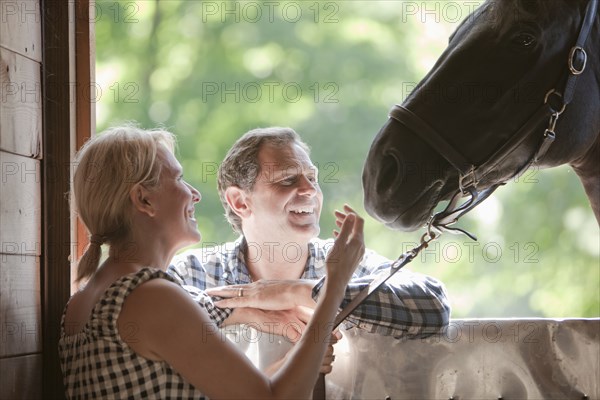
<point>408,305</point>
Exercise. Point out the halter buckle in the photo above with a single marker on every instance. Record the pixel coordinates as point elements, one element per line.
<point>572,54</point>
<point>467,180</point>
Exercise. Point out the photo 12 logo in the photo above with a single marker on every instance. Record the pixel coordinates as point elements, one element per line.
<point>269,11</point>
<point>254,92</point>
<point>437,11</point>
<point>491,252</point>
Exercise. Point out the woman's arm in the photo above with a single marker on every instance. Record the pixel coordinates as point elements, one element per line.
<point>171,327</point>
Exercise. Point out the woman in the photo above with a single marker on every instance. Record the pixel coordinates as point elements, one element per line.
<point>132,332</point>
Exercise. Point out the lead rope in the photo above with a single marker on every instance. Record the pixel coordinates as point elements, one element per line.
<point>437,224</point>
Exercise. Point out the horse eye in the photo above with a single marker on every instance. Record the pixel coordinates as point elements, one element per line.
<point>524,40</point>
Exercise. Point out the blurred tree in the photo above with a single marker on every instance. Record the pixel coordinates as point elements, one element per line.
<point>209,71</point>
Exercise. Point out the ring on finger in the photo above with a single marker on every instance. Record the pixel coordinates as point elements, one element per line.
<point>241,292</point>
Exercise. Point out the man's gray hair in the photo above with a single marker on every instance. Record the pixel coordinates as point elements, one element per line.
<point>241,167</point>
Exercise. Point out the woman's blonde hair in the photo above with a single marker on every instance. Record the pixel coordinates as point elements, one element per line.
<point>107,167</point>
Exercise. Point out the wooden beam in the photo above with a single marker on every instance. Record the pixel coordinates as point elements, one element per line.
<point>85,76</point>
<point>21,377</point>
<point>58,126</point>
<point>20,239</point>
<point>20,28</point>
<point>20,104</point>
<point>20,208</point>
<point>20,311</point>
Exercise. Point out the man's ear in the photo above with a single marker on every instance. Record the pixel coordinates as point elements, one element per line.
<point>238,201</point>
<point>142,200</point>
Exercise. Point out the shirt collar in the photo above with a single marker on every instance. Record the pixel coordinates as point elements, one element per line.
<point>314,268</point>
<point>309,268</point>
<point>236,263</point>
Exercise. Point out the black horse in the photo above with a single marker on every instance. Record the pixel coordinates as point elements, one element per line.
<point>487,92</point>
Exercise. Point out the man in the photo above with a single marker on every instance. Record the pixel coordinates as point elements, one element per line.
<point>270,276</point>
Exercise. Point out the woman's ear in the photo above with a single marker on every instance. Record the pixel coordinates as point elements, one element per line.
<point>142,200</point>
<point>238,201</point>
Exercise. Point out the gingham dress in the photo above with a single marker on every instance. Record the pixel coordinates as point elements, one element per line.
<point>96,363</point>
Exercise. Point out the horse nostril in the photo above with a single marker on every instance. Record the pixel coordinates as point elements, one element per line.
<point>390,174</point>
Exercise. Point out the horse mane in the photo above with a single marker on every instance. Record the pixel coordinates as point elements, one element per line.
<point>508,12</point>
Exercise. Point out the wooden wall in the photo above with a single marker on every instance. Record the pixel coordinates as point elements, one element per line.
<point>46,50</point>
<point>20,199</point>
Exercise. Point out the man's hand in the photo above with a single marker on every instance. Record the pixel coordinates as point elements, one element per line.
<point>266,294</point>
<point>287,323</point>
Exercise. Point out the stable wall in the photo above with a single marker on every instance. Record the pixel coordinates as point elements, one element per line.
<point>20,199</point>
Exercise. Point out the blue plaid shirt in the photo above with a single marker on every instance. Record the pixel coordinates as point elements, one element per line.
<point>408,305</point>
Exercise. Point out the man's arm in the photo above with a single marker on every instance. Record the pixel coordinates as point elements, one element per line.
<point>199,270</point>
<point>409,304</point>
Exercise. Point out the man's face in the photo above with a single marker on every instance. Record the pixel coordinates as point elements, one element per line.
<point>285,203</point>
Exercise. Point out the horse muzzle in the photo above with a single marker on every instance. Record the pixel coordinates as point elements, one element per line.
<point>398,190</point>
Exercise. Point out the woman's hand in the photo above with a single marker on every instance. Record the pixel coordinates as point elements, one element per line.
<point>326,365</point>
<point>329,358</point>
<point>348,248</point>
<point>266,294</point>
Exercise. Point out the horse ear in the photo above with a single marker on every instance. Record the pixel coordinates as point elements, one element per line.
<point>538,8</point>
<point>530,6</point>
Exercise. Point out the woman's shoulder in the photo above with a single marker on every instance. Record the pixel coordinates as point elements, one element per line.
<point>144,291</point>
<point>150,282</point>
<point>147,292</point>
<point>107,294</point>
<point>152,312</point>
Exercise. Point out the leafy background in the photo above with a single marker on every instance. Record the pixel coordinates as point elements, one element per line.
<point>209,71</point>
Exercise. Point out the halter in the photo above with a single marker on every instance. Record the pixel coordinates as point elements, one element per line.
<point>470,175</point>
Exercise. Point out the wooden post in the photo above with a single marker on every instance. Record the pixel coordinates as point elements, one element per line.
<point>85,99</point>
<point>56,216</point>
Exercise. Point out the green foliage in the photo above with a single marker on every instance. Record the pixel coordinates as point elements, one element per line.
<point>332,70</point>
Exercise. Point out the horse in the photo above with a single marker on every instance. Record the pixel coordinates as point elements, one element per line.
<point>515,77</point>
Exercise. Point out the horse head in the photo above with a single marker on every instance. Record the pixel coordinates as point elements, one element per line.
<point>486,89</point>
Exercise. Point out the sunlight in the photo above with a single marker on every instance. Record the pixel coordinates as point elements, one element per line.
<point>488,213</point>
<point>261,61</point>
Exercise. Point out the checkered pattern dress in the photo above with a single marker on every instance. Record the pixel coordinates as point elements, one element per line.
<point>96,363</point>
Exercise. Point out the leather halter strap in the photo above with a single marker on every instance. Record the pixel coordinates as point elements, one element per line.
<point>552,107</point>
<point>577,54</point>
<point>466,168</point>
<point>435,140</point>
